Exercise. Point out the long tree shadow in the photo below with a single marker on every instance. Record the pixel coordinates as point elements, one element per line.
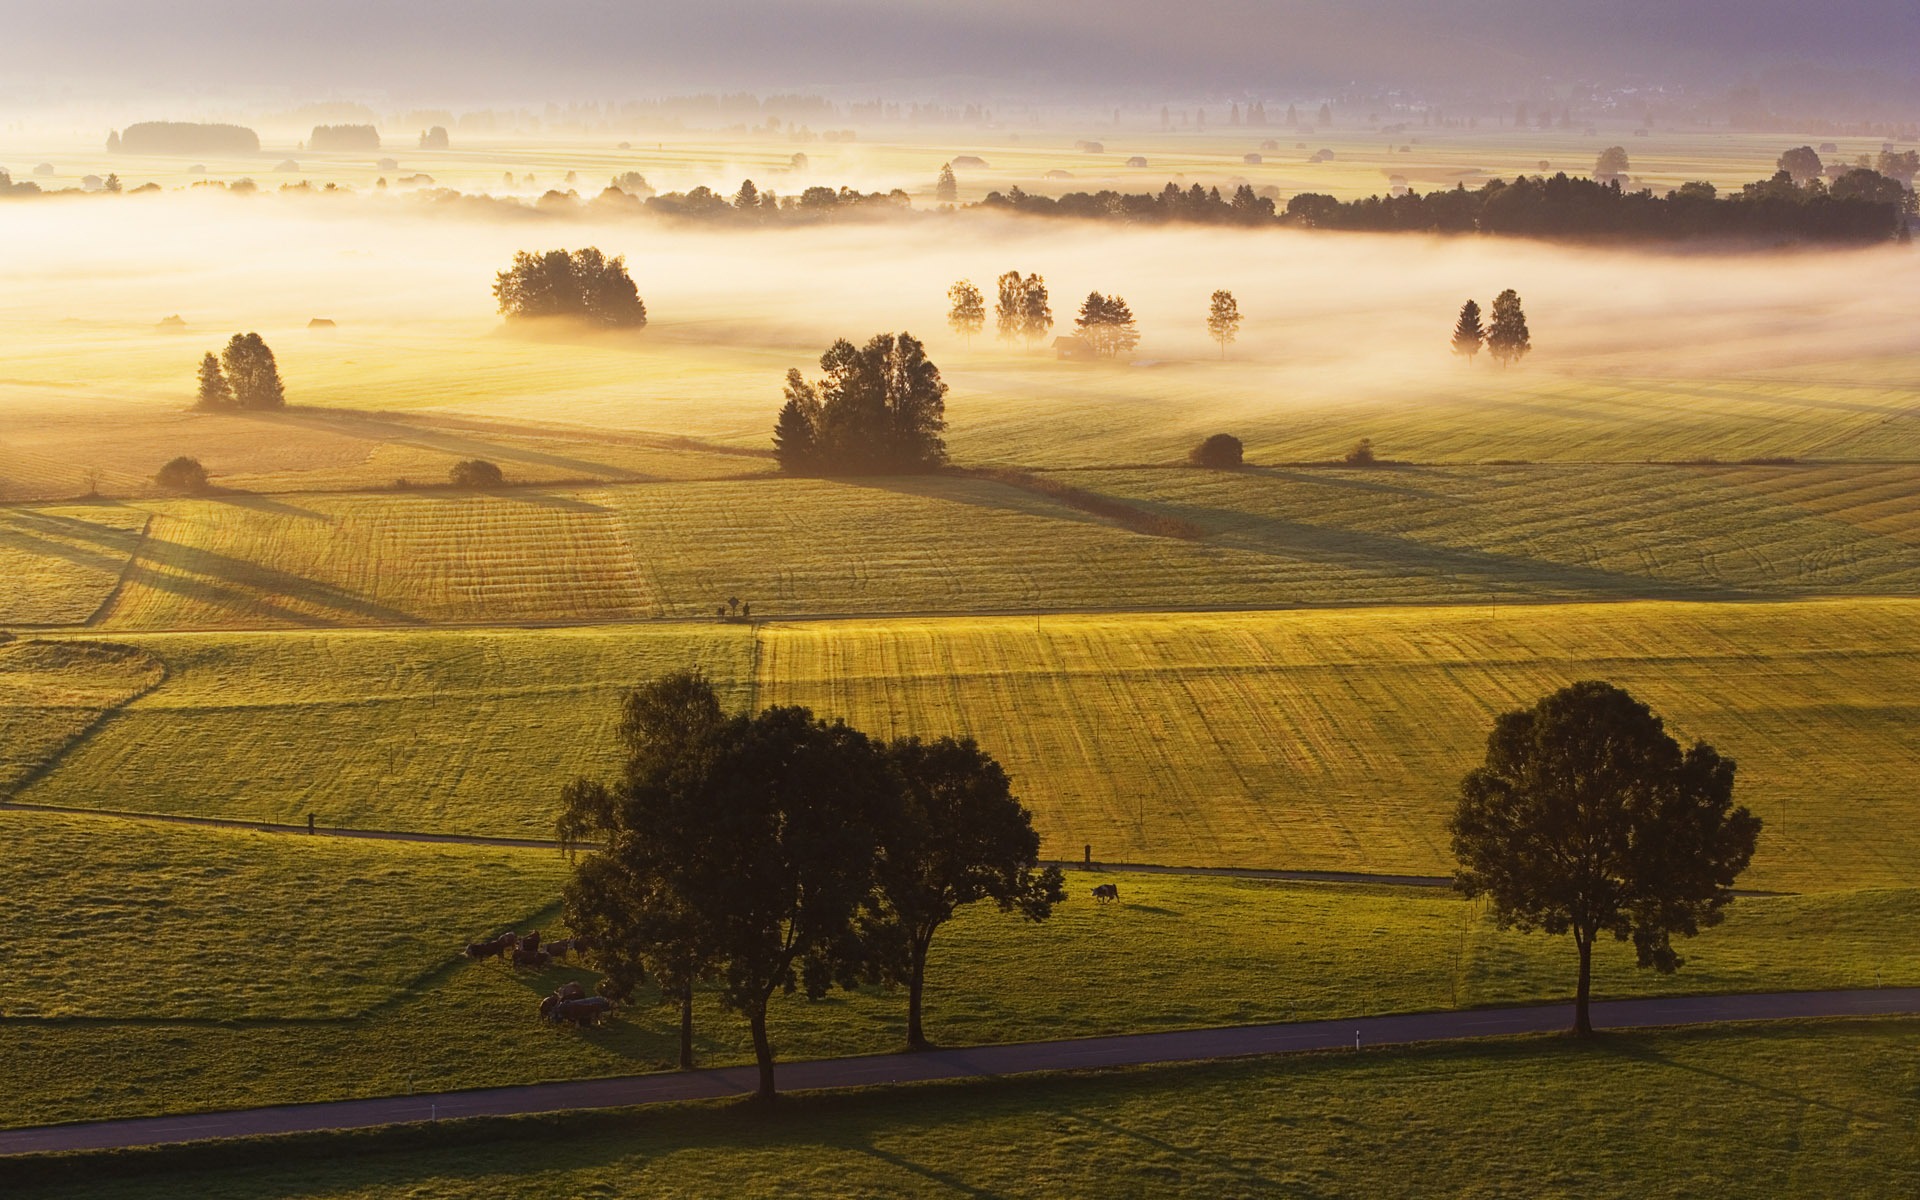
<point>1639,1051</point>
<point>205,576</point>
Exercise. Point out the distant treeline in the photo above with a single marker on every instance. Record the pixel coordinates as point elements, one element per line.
<point>1860,205</point>
<point>183,137</point>
<point>343,137</point>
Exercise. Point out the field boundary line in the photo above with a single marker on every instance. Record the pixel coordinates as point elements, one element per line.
<point>46,766</point>
<point>112,597</point>
<point>996,1061</point>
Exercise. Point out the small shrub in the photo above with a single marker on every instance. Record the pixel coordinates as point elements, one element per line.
<point>1362,454</point>
<point>183,474</point>
<point>1222,450</point>
<point>476,473</point>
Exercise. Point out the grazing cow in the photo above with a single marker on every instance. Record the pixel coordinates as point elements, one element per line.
<point>1106,892</point>
<point>586,1011</point>
<point>530,958</point>
<point>492,948</point>
<point>559,947</point>
<point>531,941</point>
<point>571,990</point>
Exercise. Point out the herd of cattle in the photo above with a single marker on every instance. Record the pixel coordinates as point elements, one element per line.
<point>569,1004</point>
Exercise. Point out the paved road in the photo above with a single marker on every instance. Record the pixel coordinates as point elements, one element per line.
<point>980,1061</point>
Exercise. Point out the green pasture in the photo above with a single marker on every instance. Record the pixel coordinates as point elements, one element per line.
<point>226,968</point>
<point>1310,739</point>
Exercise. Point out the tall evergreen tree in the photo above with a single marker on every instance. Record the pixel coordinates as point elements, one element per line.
<point>1468,335</point>
<point>947,188</point>
<point>747,199</point>
<point>1508,339</point>
<point>1036,317</point>
<point>796,435</point>
<point>1223,319</point>
<point>215,392</point>
<point>968,314</point>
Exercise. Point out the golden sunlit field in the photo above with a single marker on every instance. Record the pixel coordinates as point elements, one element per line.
<point>1703,484</point>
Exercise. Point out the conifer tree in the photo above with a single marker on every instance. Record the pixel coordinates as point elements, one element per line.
<point>947,190</point>
<point>215,392</point>
<point>796,437</point>
<point>1036,318</point>
<point>1508,339</point>
<point>1468,335</point>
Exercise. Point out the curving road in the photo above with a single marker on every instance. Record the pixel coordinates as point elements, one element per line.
<point>974,1062</point>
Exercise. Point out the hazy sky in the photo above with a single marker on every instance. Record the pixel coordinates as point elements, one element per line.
<point>468,49</point>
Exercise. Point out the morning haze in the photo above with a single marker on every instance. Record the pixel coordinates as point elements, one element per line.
<point>888,599</point>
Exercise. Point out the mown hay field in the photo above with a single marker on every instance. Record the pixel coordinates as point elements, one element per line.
<point>227,968</point>
<point>795,547</point>
<point>1325,740</point>
<point>451,731</point>
<point>1801,1109</point>
<point>1332,739</point>
<point>53,693</point>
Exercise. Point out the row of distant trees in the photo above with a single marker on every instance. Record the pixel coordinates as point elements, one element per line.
<point>1106,323</point>
<point>244,376</point>
<point>777,852</point>
<point>1507,340</point>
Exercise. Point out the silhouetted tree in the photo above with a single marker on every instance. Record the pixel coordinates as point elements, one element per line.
<point>624,897</point>
<point>1468,335</point>
<point>1588,818</point>
<point>214,390</point>
<point>1223,320</point>
<point>1803,164</point>
<point>475,473</point>
<point>1036,316</point>
<point>252,373</point>
<point>1107,325</point>
<point>1221,451</point>
<point>1361,455</point>
<point>183,474</point>
<point>1612,164</point>
<point>879,410</point>
<point>955,835</point>
<point>946,188</point>
<point>1508,339</point>
<point>1010,308</point>
<point>585,285</point>
<point>747,199</point>
<point>968,314</point>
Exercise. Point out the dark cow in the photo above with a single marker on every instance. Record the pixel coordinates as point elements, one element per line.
<point>571,990</point>
<point>560,947</point>
<point>531,941</point>
<point>523,957</point>
<point>493,947</point>
<point>585,1011</point>
<point>1106,892</point>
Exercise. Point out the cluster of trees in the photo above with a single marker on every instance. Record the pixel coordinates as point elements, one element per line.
<point>1507,340</point>
<point>343,137</point>
<point>183,137</point>
<point>1195,205</point>
<point>1106,324</point>
<point>1586,817</point>
<point>1861,205</point>
<point>750,204</point>
<point>477,474</point>
<point>776,852</point>
<point>584,285</point>
<point>880,409</point>
<point>1022,311</point>
<point>245,376</point>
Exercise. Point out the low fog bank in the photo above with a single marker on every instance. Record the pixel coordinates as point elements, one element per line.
<point>1324,312</point>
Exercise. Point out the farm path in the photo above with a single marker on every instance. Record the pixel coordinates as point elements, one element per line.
<point>1078,1054</point>
<point>465,839</point>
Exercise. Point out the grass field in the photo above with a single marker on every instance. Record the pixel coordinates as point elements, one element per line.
<point>1788,1110</point>
<point>231,968</point>
<point>1273,536</point>
<point>52,693</point>
<point>1327,740</point>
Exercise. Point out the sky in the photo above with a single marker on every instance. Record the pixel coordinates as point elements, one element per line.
<point>494,49</point>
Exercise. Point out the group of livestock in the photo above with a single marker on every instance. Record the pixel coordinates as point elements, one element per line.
<point>569,1004</point>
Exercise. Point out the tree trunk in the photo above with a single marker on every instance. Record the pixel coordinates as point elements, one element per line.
<point>762,1052</point>
<point>916,981</point>
<point>686,1028</point>
<point>1582,1018</point>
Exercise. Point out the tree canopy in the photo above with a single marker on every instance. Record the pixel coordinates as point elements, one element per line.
<point>968,312</point>
<point>1107,325</point>
<point>584,285</point>
<point>1220,451</point>
<point>1508,339</point>
<point>1223,320</point>
<point>1587,817</point>
<point>879,409</point>
<point>1022,310</point>
<point>250,376</point>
